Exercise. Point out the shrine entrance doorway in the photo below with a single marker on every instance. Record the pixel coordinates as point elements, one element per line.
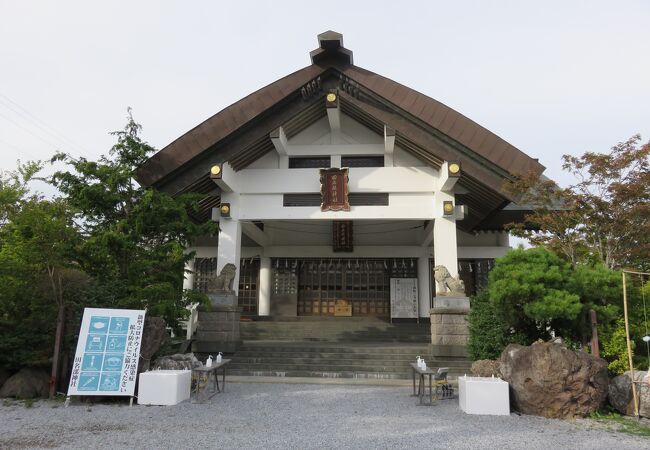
<point>363,282</point>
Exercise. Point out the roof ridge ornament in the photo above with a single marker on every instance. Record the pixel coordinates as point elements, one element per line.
<point>330,45</point>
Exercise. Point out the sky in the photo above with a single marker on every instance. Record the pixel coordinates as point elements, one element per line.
<point>551,78</point>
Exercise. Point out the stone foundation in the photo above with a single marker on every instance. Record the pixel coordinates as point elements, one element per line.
<point>218,326</point>
<point>449,327</point>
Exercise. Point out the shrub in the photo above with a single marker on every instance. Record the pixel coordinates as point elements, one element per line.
<point>489,334</point>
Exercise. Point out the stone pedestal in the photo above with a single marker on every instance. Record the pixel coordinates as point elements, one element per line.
<point>449,327</point>
<point>219,300</point>
<point>218,326</point>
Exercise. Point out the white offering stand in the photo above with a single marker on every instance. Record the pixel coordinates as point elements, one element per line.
<point>482,395</point>
<point>164,387</point>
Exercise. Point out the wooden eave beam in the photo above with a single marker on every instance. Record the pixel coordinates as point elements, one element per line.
<point>280,142</point>
<point>389,146</point>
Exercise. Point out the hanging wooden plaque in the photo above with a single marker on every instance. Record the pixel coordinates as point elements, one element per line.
<point>334,190</point>
<point>342,236</point>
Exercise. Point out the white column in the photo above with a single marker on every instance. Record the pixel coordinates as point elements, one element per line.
<point>445,248</point>
<point>188,281</point>
<point>229,250</point>
<point>264,305</point>
<point>424,288</point>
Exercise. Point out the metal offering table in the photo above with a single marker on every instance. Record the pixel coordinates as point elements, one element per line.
<point>422,387</point>
<point>203,377</point>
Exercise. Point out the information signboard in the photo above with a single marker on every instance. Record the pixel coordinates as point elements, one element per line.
<point>108,350</point>
<point>404,298</point>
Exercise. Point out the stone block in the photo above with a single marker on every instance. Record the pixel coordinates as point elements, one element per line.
<point>450,302</point>
<point>454,340</point>
<point>449,329</point>
<point>456,319</point>
<point>454,351</point>
<point>218,300</point>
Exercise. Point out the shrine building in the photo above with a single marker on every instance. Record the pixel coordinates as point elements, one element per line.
<point>332,181</point>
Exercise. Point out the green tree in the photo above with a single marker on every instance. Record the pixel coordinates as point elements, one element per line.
<point>528,289</point>
<point>603,216</point>
<point>488,333</point>
<point>134,237</point>
<point>536,294</point>
<point>37,248</point>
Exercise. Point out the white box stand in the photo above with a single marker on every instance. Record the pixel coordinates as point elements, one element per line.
<point>164,387</point>
<point>479,395</point>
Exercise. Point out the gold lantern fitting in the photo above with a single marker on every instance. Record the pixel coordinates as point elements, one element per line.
<point>215,171</point>
<point>448,208</point>
<point>331,97</point>
<point>225,209</point>
<point>454,168</point>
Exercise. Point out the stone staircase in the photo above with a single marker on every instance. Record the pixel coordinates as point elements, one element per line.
<point>335,329</point>
<point>335,348</point>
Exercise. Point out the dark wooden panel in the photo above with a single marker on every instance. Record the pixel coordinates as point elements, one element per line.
<point>355,199</point>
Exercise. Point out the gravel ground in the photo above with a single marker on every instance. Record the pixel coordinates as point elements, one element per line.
<point>287,416</point>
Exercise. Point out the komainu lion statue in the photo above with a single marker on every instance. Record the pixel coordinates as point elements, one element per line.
<point>445,281</point>
<point>223,282</point>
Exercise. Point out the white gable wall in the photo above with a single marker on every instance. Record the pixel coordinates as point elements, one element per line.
<point>401,229</point>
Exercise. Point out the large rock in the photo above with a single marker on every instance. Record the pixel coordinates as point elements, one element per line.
<point>644,398</point>
<point>4,375</point>
<point>178,361</point>
<point>486,368</point>
<point>620,394</point>
<point>154,336</point>
<point>26,383</point>
<point>547,379</point>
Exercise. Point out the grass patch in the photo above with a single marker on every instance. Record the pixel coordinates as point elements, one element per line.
<point>28,403</point>
<point>622,424</point>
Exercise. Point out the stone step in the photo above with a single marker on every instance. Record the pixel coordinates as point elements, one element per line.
<point>328,354</point>
<point>385,349</point>
<point>246,335</point>
<point>376,360</point>
<point>213,347</point>
<point>365,365</point>
<point>321,374</point>
<point>316,331</point>
<point>325,374</point>
<point>341,324</point>
<point>335,359</point>
<point>343,339</point>
<point>321,326</point>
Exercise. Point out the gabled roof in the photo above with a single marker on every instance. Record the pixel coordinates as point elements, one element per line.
<point>427,128</point>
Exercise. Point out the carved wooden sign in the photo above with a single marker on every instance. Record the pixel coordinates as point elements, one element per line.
<point>342,236</point>
<point>334,190</point>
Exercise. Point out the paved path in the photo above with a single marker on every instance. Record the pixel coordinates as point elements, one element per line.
<point>294,416</point>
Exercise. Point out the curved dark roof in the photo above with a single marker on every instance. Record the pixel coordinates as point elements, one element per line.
<point>330,57</point>
<point>221,125</point>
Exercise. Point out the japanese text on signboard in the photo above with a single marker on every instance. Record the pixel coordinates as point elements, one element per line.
<point>108,349</point>
<point>334,190</point>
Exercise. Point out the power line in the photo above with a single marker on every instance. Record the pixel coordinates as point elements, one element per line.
<point>39,123</point>
<point>15,147</point>
<point>29,131</point>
